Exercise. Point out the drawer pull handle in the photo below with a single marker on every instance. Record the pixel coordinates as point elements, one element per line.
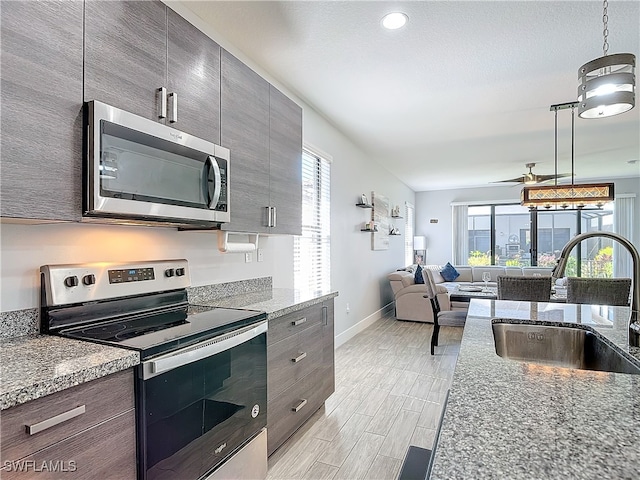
<point>299,357</point>
<point>53,421</point>
<point>300,405</point>
<point>299,321</point>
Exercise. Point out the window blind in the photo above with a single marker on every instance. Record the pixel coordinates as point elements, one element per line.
<point>409,230</point>
<point>312,250</point>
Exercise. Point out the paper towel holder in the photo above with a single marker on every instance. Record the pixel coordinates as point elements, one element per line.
<point>226,243</point>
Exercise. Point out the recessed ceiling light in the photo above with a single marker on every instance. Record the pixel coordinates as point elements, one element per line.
<point>394,20</point>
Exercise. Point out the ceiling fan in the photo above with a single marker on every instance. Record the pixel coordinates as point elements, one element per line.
<point>531,178</point>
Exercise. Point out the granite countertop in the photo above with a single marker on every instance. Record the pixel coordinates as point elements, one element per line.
<point>37,365</point>
<point>276,302</point>
<point>511,419</point>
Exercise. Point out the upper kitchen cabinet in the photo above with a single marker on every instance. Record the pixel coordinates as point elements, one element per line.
<point>263,130</point>
<point>285,160</point>
<point>193,76</point>
<point>144,58</point>
<point>41,79</point>
<point>244,129</point>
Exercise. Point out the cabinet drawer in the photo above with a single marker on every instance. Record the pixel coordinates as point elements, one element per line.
<point>102,399</point>
<point>294,322</point>
<point>293,358</point>
<point>107,450</point>
<point>289,410</point>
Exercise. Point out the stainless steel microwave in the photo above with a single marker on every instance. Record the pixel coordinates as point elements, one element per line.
<point>137,169</point>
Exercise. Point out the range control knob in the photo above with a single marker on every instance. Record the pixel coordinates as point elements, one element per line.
<point>179,272</point>
<point>71,281</point>
<point>89,279</point>
<point>169,272</point>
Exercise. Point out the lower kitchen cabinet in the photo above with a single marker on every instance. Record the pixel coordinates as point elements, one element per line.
<point>83,432</point>
<point>300,369</point>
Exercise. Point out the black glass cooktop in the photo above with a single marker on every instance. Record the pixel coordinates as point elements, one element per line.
<point>163,331</point>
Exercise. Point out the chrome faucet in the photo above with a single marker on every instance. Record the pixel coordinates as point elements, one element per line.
<point>558,272</point>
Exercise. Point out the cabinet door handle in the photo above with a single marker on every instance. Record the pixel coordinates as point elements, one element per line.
<point>162,102</point>
<point>299,357</point>
<point>325,315</point>
<point>173,118</point>
<point>53,421</point>
<point>268,216</point>
<point>275,221</point>
<point>299,406</point>
<point>295,323</point>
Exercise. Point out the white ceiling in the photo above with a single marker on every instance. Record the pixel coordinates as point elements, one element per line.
<point>460,96</point>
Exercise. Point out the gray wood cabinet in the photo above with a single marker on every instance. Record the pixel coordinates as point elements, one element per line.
<point>285,162</point>
<point>263,130</point>
<point>101,419</point>
<point>300,369</point>
<point>41,85</point>
<point>132,48</point>
<point>193,71</point>
<point>244,123</point>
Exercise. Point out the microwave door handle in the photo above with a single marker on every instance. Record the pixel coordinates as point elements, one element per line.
<point>212,163</point>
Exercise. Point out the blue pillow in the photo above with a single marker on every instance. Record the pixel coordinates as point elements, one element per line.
<point>449,273</point>
<point>417,277</point>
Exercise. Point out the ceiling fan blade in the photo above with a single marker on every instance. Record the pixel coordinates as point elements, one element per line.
<point>512,180</point>
<point>544,178</point>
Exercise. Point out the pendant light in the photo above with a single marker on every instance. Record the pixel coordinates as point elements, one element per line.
<point>590,196</point>
<point>607,84</point>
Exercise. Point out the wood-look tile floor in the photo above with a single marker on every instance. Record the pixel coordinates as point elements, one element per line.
<point>389,394</point>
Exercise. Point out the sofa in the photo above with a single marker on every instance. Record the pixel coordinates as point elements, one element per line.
<point>409,297</point>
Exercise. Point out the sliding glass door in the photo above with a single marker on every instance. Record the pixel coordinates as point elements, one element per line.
<point>512,235</point>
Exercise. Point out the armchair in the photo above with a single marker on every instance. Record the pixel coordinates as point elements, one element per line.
<point>409,298</point>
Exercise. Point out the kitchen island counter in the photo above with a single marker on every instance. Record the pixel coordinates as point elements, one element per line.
<point>511,419</point>
<point>37,365</point>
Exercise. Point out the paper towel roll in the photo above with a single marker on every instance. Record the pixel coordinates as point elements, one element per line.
<point>226,245</point>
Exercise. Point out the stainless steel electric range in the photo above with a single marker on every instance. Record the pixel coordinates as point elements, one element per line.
<point>201,387</point>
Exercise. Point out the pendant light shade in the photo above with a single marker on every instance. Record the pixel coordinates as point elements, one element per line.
<point>607,84</point>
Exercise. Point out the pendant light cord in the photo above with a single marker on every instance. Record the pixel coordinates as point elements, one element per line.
<point>556,148</point>
<point>573,123</point>
<point>605,31</point>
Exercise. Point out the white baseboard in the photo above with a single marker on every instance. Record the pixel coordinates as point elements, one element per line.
<point>351,332</point>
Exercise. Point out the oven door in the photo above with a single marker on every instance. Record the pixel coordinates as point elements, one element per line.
<point>199,405</point>
<point>138,168</point>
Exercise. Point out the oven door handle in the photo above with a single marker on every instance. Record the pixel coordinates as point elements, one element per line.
<point>202,350</point>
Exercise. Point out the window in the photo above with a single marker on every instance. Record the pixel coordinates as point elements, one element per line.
<point>409,222</point>
<point>512,235</point>
<point>312,250</point>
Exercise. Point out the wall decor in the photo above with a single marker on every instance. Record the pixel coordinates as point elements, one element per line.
<point>380,216</point>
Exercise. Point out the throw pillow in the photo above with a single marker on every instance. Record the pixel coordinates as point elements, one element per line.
<point>418,278</point>
<point>449,273</point>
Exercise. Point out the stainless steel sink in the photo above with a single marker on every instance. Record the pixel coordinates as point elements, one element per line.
<point>558,346</point>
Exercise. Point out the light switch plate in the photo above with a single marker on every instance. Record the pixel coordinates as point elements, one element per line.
<point>260,255</point>
<point>247,257</point>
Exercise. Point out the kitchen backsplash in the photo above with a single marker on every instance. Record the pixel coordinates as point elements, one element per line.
<point>197,295</point>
